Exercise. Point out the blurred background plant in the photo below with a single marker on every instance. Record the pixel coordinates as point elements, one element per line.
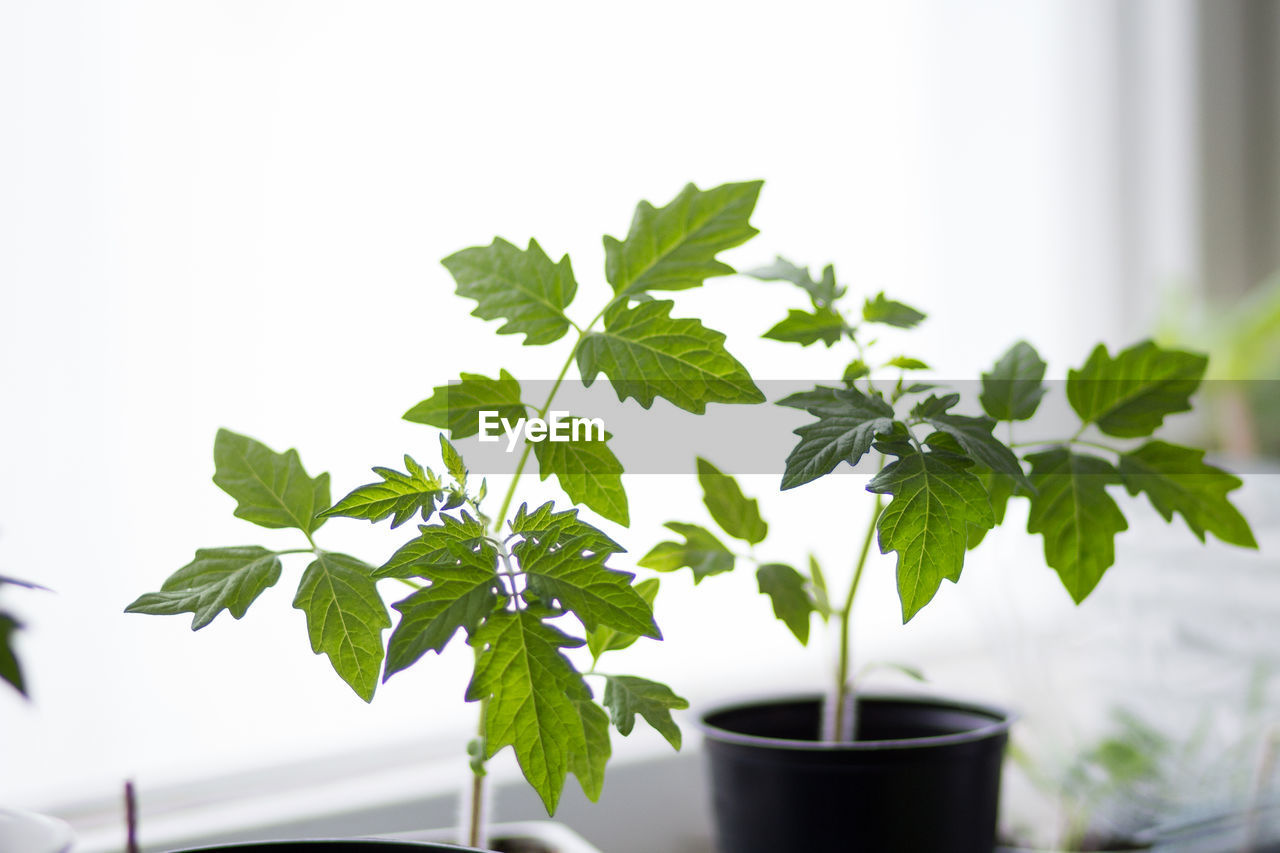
<point>1242,338</point>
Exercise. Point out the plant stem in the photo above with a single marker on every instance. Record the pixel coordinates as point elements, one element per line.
<point>840,719</point>
<point>542,413</point>
<point>476,817</point>
<point>475,831</point>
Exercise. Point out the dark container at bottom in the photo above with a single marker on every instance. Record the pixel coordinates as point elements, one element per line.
<point>923,776</point>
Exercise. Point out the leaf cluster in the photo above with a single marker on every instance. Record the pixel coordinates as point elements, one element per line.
<point>522,588</point>
<point>948,477</point>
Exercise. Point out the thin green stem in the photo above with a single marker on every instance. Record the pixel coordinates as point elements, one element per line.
<point>1066,442</point>
<point>476,822</point>
<point>846,618</point>
<point>542,413</point>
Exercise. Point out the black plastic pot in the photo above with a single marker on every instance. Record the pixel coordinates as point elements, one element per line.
<point>351,845</point>
<point>924,775</point>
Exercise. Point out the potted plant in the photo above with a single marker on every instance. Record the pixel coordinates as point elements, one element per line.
<point>911,773</point>
<point>522,583</point>
<point>20,830</point>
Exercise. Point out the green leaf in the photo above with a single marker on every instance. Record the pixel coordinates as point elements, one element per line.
<point>626,695</point>
<point>217,579</point>
<point>544,522</point>
<point>345,618</point>
<point>588,472</point>
<point>572,573</point>
<point>786,588</point>
<point>589,762</point>
<point>1176,479</point>
<point>532,691</point>
<point>848,422</point>
<point>822,293</point>
<point>974,435</point>
<point>821,598</point>
<point>906,363</point>
<point>737,515</point>
<point>1076,516</point>
<point>1013,388</point>
<point>882,310</point>
<point>605,639</point>
<point>271,489</point>
<point>10,669</point>
<point>457,406</point>
<point>701,551</point>
<point>432,546</point>
<point>1000,487</point>
<point>460,596</point>
<point>526,288</point>
<point>935,501</point>
<point>675,247</point>
<point>856,369</point>
<point>805,327</point>
<point>398,495</point>
<point>1130,395</point>
<point>646,353</point>
<point>453,462</point>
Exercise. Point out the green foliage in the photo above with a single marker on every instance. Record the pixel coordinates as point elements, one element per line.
<point>974,435</point>
<point>345,618</point>
<point>821,292</point>
<point>503,581</point>
<point>675,247</point>
<point>701,551</point>
<point>569,572</point>
<point>589,474</point>
<point>217,579</point>
<point>627,695</point>
<point>10,666</point>
<point>788,591</point>
<point>646,353</point>
<point>531,691</point>
<point>848,422</point>
<point>1176,479</point>
<point>271,489</point>
<point>464,589</point>
<point>1076,515</point>
<point>935,500</point>
<point>398,495</point>
<point>10,669</point>
<point>947,475</point>
<point>1130,395</point>
<point>526,288</point>
<point>737,515</point>
<point>606,639</point>
<point>433,545</point>
<point>891,313</point>
<point>809,327</point>
<point>587,762</point>
<point>1013,389</point>
<point>457,406</point>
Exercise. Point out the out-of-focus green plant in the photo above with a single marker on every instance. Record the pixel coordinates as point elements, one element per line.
<point>1243,342</point>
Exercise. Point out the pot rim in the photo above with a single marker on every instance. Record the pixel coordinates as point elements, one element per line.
<point>390,844</point>
<point>1000,718</point>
